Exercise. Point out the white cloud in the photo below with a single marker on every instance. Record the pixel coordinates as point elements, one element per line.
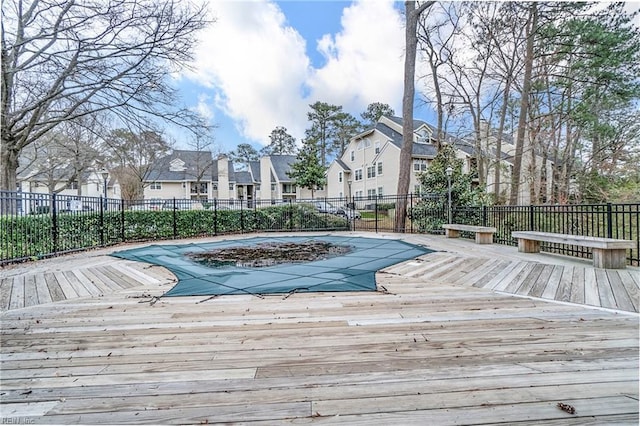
<point>204,109</point>
<point>365,60</point>
<point>256,71</point>
<point>255,66</point>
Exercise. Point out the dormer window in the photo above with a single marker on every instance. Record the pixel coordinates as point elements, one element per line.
<point>177,165</point>
<point>424,135</point>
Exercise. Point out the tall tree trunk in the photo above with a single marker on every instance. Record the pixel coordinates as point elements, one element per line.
<point>524,104</point>
<point>411,45</point>
<point>497,173</point>
<point>9,161</point>
<point>8,173</point>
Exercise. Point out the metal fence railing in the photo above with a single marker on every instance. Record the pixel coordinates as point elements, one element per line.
<point>34,225</point>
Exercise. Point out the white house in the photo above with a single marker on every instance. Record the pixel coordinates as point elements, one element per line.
<point>369,167</point>
<point>370,164</point>
<point>196,175</point>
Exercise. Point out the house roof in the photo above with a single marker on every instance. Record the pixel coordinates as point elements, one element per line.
<point>424,149</point>
<point>243,177</point>
<point>196,164</point>
<point>254,168</point>
<point>342,164</point>
<point>418,149</point>
<point>281,165</point>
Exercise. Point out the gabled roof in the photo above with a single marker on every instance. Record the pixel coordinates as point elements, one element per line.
<point>281,165</point>
<point>425,149</point>
<point>196,164</point>
<point>243,177</point>
<point>418,149</point>
<point>254,168</point>
<point>342,165</point>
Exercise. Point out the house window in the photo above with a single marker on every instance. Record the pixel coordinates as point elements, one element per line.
<point>419,165</point>
<point>214,186</point>
<point>156,186</point>
<point>417,189</point>
<point>358,174</point>
<point>371,194</point>
<point>199,188</point>
<point>423,136</point>
<point>273,186</point>
<point>379,192</point>
<point>231,186</point>
<point>377,147</point>
<point>353,155</point>
<point>379,167</point>
<point>258,187</point>
<point>371,172</point>
<point>340,177</point>
<point>367,143</point>
<point>288,188</point>
<point>72,185</point>
<point>358,194</point>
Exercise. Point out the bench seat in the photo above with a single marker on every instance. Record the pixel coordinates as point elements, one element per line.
<point>608,253</point>
<point>484,234</point>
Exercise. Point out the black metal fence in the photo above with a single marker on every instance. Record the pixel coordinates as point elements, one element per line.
<point>34,226</point>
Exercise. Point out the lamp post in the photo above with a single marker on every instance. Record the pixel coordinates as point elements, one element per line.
<point>105,176</point>
<point>449,172</point>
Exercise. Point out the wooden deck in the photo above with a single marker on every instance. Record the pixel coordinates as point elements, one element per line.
<point>442,343</point>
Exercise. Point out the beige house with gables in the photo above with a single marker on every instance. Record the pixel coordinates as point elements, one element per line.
<point>196,175</point>
<point>369,166</point>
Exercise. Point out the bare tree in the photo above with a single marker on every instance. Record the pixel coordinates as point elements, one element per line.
<point>412,14</point>
<point>64,155</point>
<point>134,159</point>
<point>437,30</point>
<point>62,60</point>
<point>202,168</point>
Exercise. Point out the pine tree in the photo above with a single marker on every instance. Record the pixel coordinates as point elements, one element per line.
<point>307,171</point>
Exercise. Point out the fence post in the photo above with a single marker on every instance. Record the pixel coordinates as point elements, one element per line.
<point>215,216</point>
<point>54,223</point>
<point>290,215</point>
<point>101,220</point>
<point>531,221</point>
<point>609,221</point>
<point>241,218</point>
<point>175,219</point>
<point>122,221</point>
<point>375,206</point>
<point>410,206</point>
<point>484,215</point>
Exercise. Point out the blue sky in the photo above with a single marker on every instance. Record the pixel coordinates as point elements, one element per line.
<point>263,62</point>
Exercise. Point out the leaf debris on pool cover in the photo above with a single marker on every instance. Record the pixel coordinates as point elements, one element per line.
<point>352,271</point>
<point>269,254</point>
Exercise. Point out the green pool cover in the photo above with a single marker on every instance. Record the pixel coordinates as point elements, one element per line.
<point>354,271</point>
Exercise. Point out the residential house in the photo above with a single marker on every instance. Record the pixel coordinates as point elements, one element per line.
<point>196,175</point>
<point>369,167</point>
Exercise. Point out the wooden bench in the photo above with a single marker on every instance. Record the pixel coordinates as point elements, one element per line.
<point>484,234</point>
<point>608,253</point>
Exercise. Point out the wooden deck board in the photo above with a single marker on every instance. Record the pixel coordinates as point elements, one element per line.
<point>434,348</point>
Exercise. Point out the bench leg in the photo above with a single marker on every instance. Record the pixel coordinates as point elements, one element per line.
<point>610,258</point>
<point>451,233</point>
<point>484,237</point>
<point>528,246</point>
